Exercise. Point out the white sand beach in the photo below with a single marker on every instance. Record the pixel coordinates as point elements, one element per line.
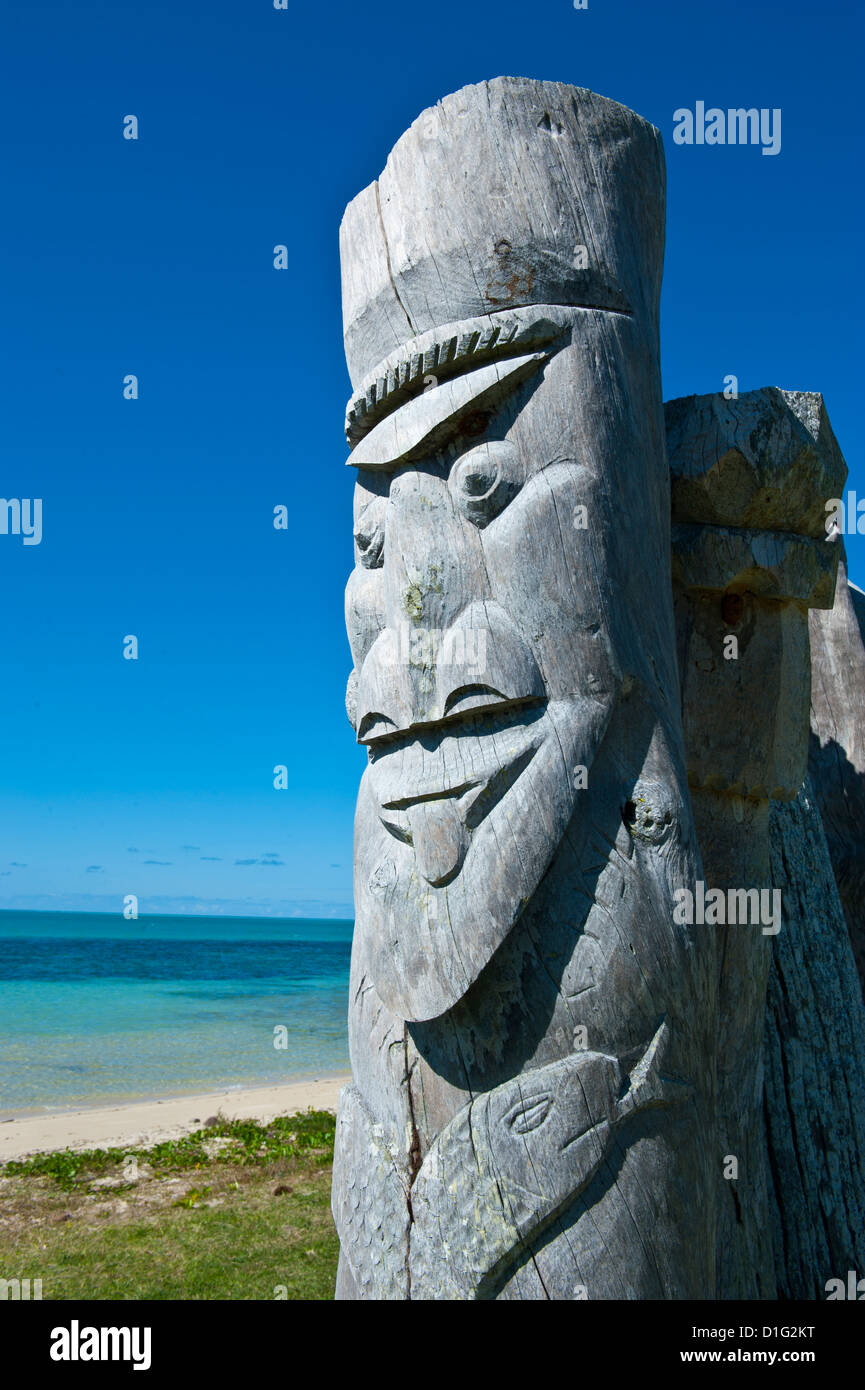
<point>150,1121</point>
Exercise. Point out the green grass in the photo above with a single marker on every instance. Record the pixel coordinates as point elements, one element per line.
<point>187,1219</point>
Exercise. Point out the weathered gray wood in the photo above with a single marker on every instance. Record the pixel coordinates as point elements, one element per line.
<point>793,1217</point>
<point>524,824</point>
<point>534,1035</point>
<point>514,1159</point>
<point>459,225</point>
<point>837,757</point>
<point>765,460</point>
<point>370,1201</point>
<point>815,1065</point>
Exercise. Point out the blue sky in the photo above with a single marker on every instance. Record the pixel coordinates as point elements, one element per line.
<point>155,257</point>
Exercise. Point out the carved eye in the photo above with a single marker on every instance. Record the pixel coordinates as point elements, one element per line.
<point>529,1115</point>
<point>369,534</point>
<point>374,725</point>
<point>484,480</point>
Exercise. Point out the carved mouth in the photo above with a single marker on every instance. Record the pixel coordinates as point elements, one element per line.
<point>438,820</point>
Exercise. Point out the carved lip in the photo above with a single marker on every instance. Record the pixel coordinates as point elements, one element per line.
<point>397,820</point>
<point>434,790</point>
<point>475,796</point>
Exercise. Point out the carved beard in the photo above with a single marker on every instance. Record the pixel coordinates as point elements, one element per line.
<point>512,791</point>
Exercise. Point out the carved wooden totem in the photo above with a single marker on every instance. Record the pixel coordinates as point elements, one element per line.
<point>532,1033</point>
<point>750,560</point>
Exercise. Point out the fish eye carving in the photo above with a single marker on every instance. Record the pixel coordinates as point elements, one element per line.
<point>485,479</point>
<point>529,1115</point>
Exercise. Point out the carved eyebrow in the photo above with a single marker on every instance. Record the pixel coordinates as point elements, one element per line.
<point>425,421</point>
<point>449,351</point>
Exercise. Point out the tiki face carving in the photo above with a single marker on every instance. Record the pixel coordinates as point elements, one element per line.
<point>523,820</point>
<point>502,341</point>
<point>484,674</point>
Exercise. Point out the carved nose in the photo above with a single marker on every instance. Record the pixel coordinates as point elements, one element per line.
<point>415,677</point>
<point>433,557</point>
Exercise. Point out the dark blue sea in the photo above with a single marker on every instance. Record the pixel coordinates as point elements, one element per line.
<point>95,1009</point>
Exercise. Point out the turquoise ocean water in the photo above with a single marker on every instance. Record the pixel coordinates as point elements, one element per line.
<point>94,1009</point>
